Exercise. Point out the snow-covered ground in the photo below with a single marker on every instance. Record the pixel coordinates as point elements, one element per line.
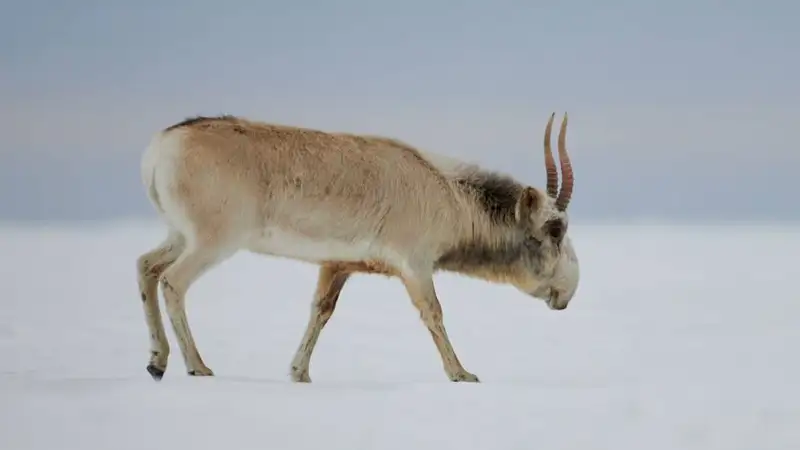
<point>679,338</point>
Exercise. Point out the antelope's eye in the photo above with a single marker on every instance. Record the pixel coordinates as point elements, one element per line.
<point>555,229</point>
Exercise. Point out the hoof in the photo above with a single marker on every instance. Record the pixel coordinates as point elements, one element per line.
<point>201,373</point>
<point>464,377</point>
<point>300,375</point>
<point>155,372</point>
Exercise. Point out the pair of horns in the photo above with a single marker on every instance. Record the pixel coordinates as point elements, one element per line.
<point>564,195</point>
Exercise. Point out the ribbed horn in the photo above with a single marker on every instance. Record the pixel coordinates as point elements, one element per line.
<point>549,162</point>
<point>565,194</point>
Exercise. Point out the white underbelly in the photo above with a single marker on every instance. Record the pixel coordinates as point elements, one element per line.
<point>277,242</point>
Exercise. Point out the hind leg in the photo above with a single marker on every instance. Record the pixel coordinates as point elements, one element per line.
<point>329,285</point>
<point>150,266</point>
<point>175,282</point>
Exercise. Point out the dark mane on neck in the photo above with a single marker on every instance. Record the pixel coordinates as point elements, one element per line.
<point>497,194</point>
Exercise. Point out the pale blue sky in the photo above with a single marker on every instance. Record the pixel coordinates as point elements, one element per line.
<point>680,109</point>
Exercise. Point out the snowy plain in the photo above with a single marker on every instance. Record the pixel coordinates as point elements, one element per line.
<point>680,337</point>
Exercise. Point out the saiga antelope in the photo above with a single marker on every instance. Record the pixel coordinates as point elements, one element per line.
<point>348,203</point>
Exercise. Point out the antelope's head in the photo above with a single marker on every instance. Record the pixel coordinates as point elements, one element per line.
<point>550,267</point>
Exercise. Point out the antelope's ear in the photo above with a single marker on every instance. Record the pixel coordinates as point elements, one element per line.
<point>528,202</point>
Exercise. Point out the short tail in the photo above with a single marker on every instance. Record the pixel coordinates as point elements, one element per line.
<point>148,173</point>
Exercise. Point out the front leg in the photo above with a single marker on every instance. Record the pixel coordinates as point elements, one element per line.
<point>423,295</point>
<point>329,285</point>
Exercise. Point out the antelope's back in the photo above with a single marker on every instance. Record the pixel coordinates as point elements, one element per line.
<point>319,184</point>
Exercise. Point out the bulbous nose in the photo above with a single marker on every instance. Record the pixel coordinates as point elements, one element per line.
<point>555,304</point>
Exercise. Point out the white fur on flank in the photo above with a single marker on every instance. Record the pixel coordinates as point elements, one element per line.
<point>274,241</point>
